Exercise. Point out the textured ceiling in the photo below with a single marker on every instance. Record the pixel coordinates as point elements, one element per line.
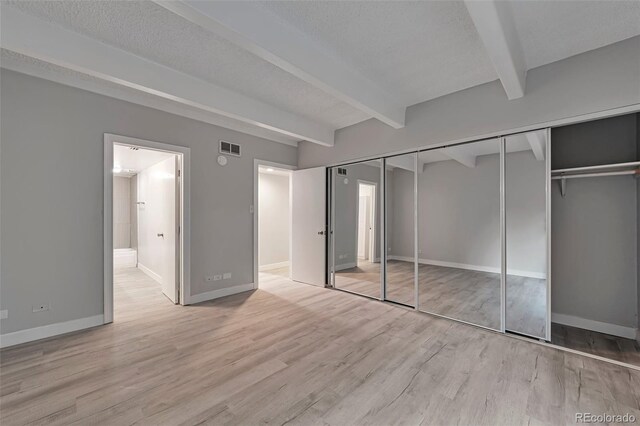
<point>415,50</point>
<point>418,50</point>
<point>554,30</point>
<point>136,160</point>
<point>152,32</point>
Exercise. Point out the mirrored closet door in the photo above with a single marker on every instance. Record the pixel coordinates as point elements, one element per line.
<point>526,215</point>
<point>459,235</point>
<point>400,227</point>
<point>356,228</point>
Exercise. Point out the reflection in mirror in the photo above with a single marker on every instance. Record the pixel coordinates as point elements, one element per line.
<point>459,232</point>
<point>356,227</point>
<point>400,205</point>
<point>526,236</point>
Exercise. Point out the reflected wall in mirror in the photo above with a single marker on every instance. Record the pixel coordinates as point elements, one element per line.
<point>526,233</point>
<point>400,218</point>
<point>357,192</point>
<point>459,232</point>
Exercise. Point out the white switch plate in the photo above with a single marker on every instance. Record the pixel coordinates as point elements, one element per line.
<point>4,314</point>
<point>226,276</point>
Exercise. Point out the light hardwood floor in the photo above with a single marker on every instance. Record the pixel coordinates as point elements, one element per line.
<point>471,296</point>
<point>297,354</point>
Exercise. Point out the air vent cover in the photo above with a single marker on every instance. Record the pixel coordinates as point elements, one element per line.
<point>229,148</point>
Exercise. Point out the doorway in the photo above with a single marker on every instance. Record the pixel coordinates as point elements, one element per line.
<point>272,222</point>
<point>366,223</point>
<point>146,225</point>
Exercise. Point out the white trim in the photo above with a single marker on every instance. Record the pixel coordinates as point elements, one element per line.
<point>50,330</point>
<point>601,327</point>
<point>344,266</point>
<point>150,273</point>
<point>256,175</point>
<point>185,216</point>
<point>479,268</point>
<point>216,294</point>
<point>272,266</point>
<point>125,258</point>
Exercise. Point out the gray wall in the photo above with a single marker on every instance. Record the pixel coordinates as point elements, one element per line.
<point>594,81</point>
<point>273,219</point>
<point>459,213</point>
<point>52,190</point>
<point>638,212</point>
<point>595,227</point>
<point>121,212</point>
<point>133,220</point>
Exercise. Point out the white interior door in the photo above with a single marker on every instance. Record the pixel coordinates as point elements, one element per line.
<point>167,230</point>
<point>308,220</point>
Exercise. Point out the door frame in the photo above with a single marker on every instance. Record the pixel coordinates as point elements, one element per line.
<point>256,206</point>
<point>372,233</point>
<point>184,263</point>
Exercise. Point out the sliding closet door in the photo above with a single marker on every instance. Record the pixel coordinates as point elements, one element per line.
<point>526,177</point>
<point>400,227</point>
<point>356,222</point>
<point>459,238</point>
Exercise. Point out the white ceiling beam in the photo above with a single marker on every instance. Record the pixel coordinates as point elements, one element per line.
<point>404,162</point>
<point>256,29</point>
<point>537,144</point>
<point>30,36</point>
<point>495,25</point>
<point>462,158</point>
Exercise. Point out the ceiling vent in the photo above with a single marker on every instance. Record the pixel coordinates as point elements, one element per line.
<point>342,171</point>
<point>229,148</point>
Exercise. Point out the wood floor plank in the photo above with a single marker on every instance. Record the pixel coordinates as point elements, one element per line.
<point>289,353</point>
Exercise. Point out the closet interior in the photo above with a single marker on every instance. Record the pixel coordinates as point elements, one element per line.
<point>595,294</point>
<point>534,234</point>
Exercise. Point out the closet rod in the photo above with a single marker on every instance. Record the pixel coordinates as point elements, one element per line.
<point>599,167</point>
<point>586,175</point>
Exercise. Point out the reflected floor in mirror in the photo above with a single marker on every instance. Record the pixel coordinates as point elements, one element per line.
<point>472,296</point>
<point>604,345</point>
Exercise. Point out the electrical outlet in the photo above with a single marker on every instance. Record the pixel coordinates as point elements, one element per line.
<point>209,278</point>
<point>226,276</point>
<point>217,277</point>
<point>4,314</point>
<point>40,308</point>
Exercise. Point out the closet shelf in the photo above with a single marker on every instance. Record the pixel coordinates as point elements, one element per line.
<point>615,166</point>
<point>618,169</point>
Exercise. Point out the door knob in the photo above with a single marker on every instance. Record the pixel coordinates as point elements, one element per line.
<point>161,235</point>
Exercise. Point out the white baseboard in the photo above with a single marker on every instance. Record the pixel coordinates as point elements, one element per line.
<point>601,327</point>
<point>345,266</point>
<point>215,294</point>
<point>150,273</point>
<point>480,268</point>
<point>37,333</point>
<point>272,266</point>
<point>125,259</point>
